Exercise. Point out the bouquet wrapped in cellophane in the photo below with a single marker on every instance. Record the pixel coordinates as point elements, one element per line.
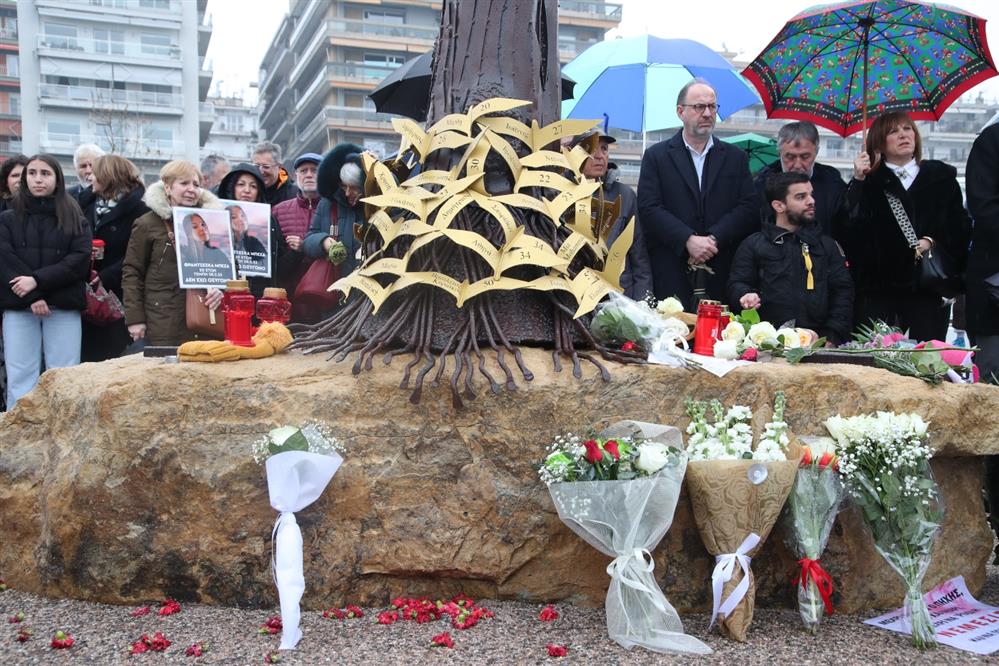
<point>737,493</point>
<point>812,506</point>
<point>618,492</point>
<point>885,465</point>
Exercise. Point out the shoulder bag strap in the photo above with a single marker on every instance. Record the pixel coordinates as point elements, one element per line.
<point>903,219</point>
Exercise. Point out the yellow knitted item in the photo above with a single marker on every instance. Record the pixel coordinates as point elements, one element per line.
<point>271,338</point>
<point>208,351</point>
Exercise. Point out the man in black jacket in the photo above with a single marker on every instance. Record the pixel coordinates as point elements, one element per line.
<point>790,269</point>
<point>798,146</point>
<point>277,183</point>
<point>696,203</point>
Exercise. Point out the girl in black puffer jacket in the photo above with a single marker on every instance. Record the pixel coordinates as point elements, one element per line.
<point>44,260</point>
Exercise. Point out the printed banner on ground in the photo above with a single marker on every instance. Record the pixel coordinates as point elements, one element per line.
<point>959,620</point>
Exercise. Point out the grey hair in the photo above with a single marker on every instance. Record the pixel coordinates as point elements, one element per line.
<point>801,130</point>
<point>269,147</point>
<point>350,174</point>
<point>681,97</point>
<point>209,163</point>
<point>85,149</point>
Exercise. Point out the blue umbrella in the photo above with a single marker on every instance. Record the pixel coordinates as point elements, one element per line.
<point>635,81</point>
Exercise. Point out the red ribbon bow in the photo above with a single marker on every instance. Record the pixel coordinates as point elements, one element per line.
<point>823,581</point>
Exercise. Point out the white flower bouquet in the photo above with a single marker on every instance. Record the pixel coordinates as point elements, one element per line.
<point>300,463</point>
<point>812,506</point>
<point>618,492</point>
<point>885,464</point>
<point>736,494</point>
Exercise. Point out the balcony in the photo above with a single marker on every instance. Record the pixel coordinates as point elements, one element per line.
<point>206,118</point>
<point>424,36</point>
<point>347,118</point>
<point>125,100</point>
<point>204,35</point>
<point>132,148</point>
<point>9,110</point>
<point>205,75</point>
<point>358,75</point>
<point>10,146</point>
<point>159,6</point>
<point>9,74</point>
<point>8,36</point>
<point>58,44</point>
<point>572,11</point>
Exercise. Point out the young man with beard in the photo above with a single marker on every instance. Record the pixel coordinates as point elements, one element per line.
<point>792,271</point>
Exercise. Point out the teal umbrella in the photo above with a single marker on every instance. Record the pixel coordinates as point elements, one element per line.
<point>761,150</point>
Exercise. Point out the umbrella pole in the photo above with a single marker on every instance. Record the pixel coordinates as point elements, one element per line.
<point>867,22</point>
<point>644,139</point>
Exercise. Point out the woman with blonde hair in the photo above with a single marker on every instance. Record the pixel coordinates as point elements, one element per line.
<point>155,305</point>
<point>118,189</point>
<point>901,208</point>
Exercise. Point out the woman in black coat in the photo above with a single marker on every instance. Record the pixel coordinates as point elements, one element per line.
<point>44,255</point>
<point>119,189</point>
<point>882,258</point>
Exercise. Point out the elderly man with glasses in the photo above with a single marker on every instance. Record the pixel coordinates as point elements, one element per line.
<point>277,183</point>
<point>696,203</point>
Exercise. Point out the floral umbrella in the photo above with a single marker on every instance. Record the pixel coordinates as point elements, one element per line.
<point>832,64</point>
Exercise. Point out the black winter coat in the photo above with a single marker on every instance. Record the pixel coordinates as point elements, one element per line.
<point>982,184</point>
<point>880,258</point>
<point>771,264</point>
<point>115,228</point>
<point>34,245</point>
<point>829,192</point>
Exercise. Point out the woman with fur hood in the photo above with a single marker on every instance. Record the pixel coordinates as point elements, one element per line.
<point>341,186</point>
<point>155,305</point>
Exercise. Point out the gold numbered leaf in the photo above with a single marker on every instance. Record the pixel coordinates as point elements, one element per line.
<point>495,105</point>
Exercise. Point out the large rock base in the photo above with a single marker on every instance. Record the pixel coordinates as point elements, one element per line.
<point>132,480</point>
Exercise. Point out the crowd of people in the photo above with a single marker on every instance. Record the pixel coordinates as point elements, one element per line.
<point>797,241</point>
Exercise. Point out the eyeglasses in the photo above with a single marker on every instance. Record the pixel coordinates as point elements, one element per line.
<point>701,108</point>
<point>265,166</point>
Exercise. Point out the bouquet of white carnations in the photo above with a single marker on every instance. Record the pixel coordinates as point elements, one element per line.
<point>885,464</point>
<point>736,494</point>
<point>618,492</point>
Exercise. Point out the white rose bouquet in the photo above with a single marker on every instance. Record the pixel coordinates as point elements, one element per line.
<point>618,492</point>
<point>746,336</point>
<point>885,465</point>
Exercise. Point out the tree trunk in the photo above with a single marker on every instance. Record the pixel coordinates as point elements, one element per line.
<point>497,48</point>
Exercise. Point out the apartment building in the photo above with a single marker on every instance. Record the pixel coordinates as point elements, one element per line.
<point>328,54</point>
<point>10,81</point>
<point>234,133</point>
<point>128,75</point>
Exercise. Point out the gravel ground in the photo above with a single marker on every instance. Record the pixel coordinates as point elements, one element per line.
<point>514,636</point>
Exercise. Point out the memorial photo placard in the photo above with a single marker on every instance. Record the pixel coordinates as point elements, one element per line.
<point>251,237</point>
<point>204,247</point>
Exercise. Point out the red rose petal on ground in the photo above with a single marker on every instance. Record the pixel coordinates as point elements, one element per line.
<point>139,612</point>
<point>169,607</point>
<point>23,635</point>
<point>62,641</point>
<point>548,614</point>
<point>387,617</point>
<point>196,650</point>
<point>557,650</point>
<point>16,618</point>
<point>442,640</point>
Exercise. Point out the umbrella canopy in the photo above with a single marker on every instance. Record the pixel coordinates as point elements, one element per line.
<point>833,64</point>
<point>406,91</point>
<point>635,81</point>
<point>761,150</point>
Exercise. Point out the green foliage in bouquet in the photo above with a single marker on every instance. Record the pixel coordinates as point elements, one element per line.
<point>571,458</point>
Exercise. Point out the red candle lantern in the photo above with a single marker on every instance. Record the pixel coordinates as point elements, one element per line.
<point>238,306</point>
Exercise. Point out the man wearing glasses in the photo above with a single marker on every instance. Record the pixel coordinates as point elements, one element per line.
<point>277,183</point>
<point>696,203</point>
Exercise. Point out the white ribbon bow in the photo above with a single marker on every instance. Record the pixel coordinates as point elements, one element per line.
<point>618,569</point>
<point>724,570</point>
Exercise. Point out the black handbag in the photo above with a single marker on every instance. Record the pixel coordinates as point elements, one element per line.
<point>935,270</point>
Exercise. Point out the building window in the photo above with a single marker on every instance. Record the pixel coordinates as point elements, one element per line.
<point>157,134</point>
<point>116,4</point>
<point>157,95</point>
<point>383,16</point>
<point>14,103</point>
<point>154,4</point>
<point>59,36</point>
<point>109,41</point>
<point>11,66</point>
<point>155,43</point>
<point>64,132</point>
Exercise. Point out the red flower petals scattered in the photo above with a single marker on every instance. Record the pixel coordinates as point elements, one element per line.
<point>271,626</point>
<point>16,618</point>
<point>749,355</point>
<point>442,640</point>
<point>548,614</point>
<point>557,650</point>
<point>387,617</point>
<point>157,643</point>
<point>196,650</point>
<point>628,346</point>
<point>23,635</point>
<point>272,658</point>
<point>169,607</point>
<point>349,613</point>
<point>62,641</point>
<point>139,612</point>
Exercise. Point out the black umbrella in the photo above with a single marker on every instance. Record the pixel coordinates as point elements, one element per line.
<point>406,91</point>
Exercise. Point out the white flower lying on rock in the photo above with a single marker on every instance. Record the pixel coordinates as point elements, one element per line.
<point>762,332</point>
<point>727,349</point>
<point>669,307</point>
<point>734,332</point>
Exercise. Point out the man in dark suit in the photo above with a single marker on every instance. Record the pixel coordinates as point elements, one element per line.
<point>798,146</point>
<point>696,203</point>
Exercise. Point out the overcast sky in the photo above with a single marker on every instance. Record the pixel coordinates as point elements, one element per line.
<point>242,29</point>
